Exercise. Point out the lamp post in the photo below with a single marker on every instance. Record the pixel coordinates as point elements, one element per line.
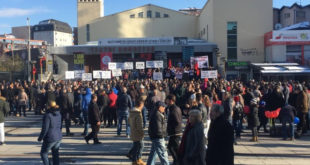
<point>29,51</point>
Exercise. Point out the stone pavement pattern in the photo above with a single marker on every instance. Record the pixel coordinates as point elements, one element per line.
<point>22,147</point>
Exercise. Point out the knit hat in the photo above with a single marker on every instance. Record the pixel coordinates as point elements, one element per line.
<point>236,98</point>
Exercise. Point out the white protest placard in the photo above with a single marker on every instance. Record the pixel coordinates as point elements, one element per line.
<point>87,77</point>
<point>119,65</point>
<point>98,74</point>
<point>157,76</point>
<point>202,61</point>
<point>112,65</point>
<point>154,64</point>
<point>78,74</point>
<point>69,75</point>
<point>128,66</point>
<point>179,75</point>
<point>116,72</point>
<point>140,65</point>
<point>209,74</point>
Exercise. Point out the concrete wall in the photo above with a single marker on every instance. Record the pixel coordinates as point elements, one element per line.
<point>278,53</point>
<point>253,17</point>
<point>206,21</point>
<point>122,26</point>
<point>88,10</point>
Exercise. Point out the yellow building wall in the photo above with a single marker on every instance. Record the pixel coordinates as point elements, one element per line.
<point>205,21</point>
<point>87,11</point>
<point>253,17</point>
<point>120,25</point>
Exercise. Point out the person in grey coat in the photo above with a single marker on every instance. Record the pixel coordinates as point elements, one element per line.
<point>192,148</point>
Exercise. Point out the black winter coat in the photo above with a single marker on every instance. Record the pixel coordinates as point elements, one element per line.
<point>220,143</point>
<point>93,113</point>
<point>195,151</point>
<point>174,121</point>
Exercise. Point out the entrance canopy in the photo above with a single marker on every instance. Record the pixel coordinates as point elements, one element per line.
<point>280,68</point>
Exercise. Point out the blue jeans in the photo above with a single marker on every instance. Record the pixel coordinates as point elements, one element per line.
<point>122,116</point>
<point>284,130</point>
<point>158,148</point>
<point>86,124</point>
<point>238,127</point>
<point>144,116</point>
<point>54,146</point>
<point>136,150</point>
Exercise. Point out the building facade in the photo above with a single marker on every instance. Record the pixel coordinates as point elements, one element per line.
<point>238,28</point>
<point>290,15</point>
<point>54,32</point>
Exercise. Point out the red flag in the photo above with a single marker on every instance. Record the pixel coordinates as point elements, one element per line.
<point>169,64</point>
<point>105,58</point>
<point>196,66</point>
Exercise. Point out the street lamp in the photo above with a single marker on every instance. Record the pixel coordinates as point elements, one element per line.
<point>29,51</point>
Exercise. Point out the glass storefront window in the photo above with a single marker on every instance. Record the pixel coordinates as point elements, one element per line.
<point>232,39</point>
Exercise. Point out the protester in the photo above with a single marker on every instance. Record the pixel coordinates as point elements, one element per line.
<point>192,149</point>
<point>4,109</point>
<point>51,134</point>
<point>157,133</point>
<point>85,104</point>
<point>22,102</point>
<point>112,116</point>
<point>174,127</point>
<point>253,120</point>
<point>123,104</point>
<point>137,132</point>
<point>220,139</point>
<point>94,120</point>
<point>287,115</point>
<point>302,110</point>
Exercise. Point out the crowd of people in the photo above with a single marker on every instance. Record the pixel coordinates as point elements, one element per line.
<point>201,118</point>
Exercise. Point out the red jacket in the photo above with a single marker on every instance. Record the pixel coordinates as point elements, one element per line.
<point>113,98</point>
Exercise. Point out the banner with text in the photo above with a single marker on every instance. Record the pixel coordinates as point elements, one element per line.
<point>116,72</point>
<point>202,61</point>
<point>157,76</point>
<point>128,65</point>
<point>140,65</point>
<point>98,74</point>
<point>78,74</point>
<point>78,61</point>
<point>87,77</point>
<point>209,74</point>
<point>154,64</point>
<point>105,59</point>
<point>69,75</point>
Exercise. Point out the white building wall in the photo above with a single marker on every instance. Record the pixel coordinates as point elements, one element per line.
<point>278,53</point>
<point>62,39</point>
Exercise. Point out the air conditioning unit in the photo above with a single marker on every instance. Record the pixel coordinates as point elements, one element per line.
<point>278,26</point>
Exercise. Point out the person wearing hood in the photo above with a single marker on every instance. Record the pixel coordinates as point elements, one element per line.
<point>85,103</point>
<point>51,134</point>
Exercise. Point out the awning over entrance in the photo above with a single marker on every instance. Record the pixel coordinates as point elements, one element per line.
<point>280,68</point>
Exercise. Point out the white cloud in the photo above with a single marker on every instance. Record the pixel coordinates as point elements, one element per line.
<point>17,12</point>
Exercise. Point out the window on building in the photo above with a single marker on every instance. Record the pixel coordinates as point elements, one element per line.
<point>149,14</point>
<point>207,32</point>
<point>300,14</point>
<point>140,15</point>
<point>232,41</point>
<point>157,14</point>
<point>132,16</point>
<point>287,15</point>
<point>293,54</point>
<point>87,33</point>
<point>166,15</point>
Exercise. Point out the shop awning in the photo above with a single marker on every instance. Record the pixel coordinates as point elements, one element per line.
<point>280,68</point>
